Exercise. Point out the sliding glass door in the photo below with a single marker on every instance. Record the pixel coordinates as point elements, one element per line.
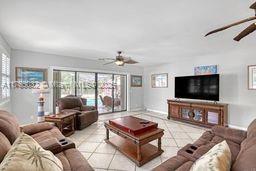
<point>68,80</point>
<point>107,92</point>
<point>86,87</point>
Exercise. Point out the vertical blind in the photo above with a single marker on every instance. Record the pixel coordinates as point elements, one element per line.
<point>5,77</point>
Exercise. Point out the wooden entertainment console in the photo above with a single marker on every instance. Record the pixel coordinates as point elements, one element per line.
<point>199,113</point>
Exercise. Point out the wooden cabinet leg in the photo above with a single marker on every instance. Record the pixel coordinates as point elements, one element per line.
<point>159,144</point>
<point>138,152</point>
<point>107,133</point>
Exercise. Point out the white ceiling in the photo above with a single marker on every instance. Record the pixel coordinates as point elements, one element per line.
<point>151,31</point>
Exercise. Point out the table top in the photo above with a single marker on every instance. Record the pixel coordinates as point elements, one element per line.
<point>133,125</point>
<point>60,115</point>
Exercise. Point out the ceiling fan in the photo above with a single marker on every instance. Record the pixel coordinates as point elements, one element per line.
<point>119,60</point>
<point>251,28</point>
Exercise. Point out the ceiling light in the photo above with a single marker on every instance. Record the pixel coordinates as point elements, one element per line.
<point>119,63</point>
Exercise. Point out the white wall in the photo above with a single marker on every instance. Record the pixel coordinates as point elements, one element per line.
<point>233,84</point>
<point>24,102</point>
<point>4,48</point>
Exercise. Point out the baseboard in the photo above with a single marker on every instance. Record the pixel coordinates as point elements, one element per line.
<point>157,111</point>
<point>136,109</point>
<point>237,127</point>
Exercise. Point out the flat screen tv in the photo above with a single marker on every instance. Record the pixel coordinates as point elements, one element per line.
<point>204,87</point>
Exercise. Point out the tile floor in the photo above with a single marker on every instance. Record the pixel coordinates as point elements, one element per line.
<point>102,156</point>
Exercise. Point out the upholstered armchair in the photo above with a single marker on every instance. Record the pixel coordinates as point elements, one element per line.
<point>85,115</point>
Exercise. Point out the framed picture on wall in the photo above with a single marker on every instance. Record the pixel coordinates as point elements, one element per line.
<point>252,77</point>
<point>136,81</point>
<point>29,77</point>
<point>159,80</point>
<point>206,70</point>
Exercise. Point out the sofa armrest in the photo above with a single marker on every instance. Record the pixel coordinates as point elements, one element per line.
<point>52,145</point>
<point>36,128</point>
<point>234,135</point>
<point>87,108</point>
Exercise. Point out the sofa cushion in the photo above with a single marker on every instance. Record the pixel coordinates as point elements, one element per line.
<point>73,160</point>
<point>52,133</point>
<point>230,134</point>
<point>251,131</point>
<point>208,140</point>
<point>218,159</point>
<point>5,146</point>
<point>9,126</point>
<point>36,128</point>
<point>246,159</point>
<point>27,155</point>
<point>69,103</point>
<point>172,164</point>
<point>185,166</point>
<point>247,143</point>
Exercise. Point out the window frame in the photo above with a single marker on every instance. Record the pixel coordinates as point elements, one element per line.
<point>5,77</point>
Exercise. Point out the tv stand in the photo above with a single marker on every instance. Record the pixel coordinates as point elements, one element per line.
<point>199,113</point>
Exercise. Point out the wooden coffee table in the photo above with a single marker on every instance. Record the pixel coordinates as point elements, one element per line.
<point>133,142</point>
<point>64,121</point>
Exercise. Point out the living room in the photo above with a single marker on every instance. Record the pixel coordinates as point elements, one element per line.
<point>108,84</point>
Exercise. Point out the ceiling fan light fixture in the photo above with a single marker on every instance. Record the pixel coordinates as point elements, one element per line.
<point>119,63</point>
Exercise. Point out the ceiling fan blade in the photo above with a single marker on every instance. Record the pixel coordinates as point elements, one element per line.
<point>253,6</point>
<point>246,32</point>
<point>109,63</point>
<point>106,59</point>
<point>130,61</point>
<point>231,25</point>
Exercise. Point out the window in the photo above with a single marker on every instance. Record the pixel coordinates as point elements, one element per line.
<point>5,89</point>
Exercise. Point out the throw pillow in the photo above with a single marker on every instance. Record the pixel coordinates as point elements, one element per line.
<point>216,159</point>
<point>27,155</point>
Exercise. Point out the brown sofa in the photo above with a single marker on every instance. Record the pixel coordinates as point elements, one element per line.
<point>48,136</point>
<point>242,145</point>
<point>85,116</point>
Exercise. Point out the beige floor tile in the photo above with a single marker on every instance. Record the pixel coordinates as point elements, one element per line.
<point>169,151</point>
<point>88,146</point>
<point>183,142</point>
<point>195,136</point>
<point>86,155</point>
<point>167,134</point>
<point>120,162</point>
<point>95,138</point>
<point>100,132</point>
<point>100,161</point>
<point>191,129</point>
<point>105,148</point>
<point>167,142</point>
<point>179,135</point>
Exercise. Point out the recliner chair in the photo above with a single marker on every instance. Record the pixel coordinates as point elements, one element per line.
<point>85,115</point>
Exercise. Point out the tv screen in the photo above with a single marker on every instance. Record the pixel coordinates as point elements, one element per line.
<point>204,87</point>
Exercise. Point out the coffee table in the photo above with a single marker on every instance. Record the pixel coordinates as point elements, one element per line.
<point>133,142</point>
<point>64,121</point>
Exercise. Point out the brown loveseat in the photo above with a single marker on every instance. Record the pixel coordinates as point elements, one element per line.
<point>242,145</point>
<point>85,115</point>
<point>48,136</point>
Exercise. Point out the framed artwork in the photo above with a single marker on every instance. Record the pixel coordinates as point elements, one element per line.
<point>28,77</point>
<point>206,70</point>
<point>136,81</point>
<point>159,80</point>
<point>252,77</point>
